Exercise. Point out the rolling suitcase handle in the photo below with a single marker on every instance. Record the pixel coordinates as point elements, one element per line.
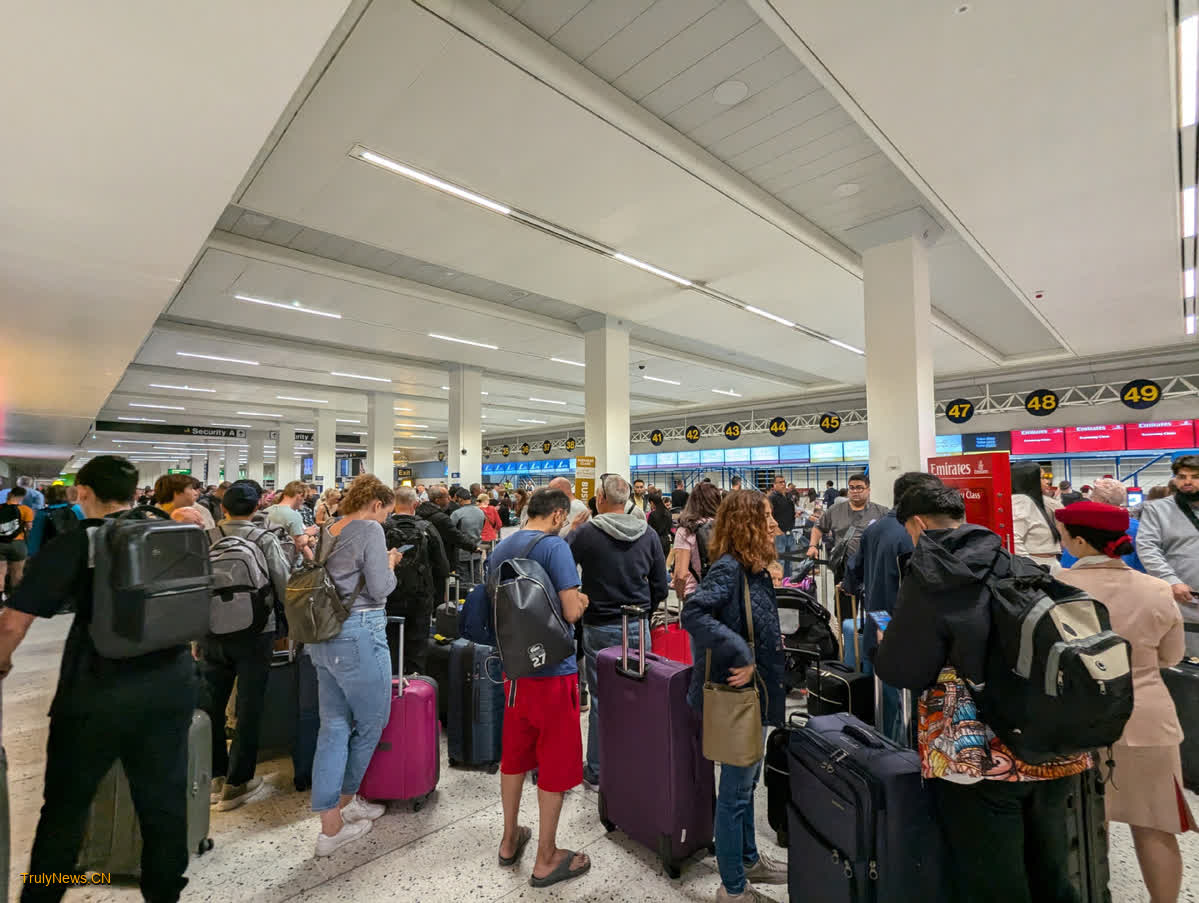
<point>627,611</point>
<point>400,682</point>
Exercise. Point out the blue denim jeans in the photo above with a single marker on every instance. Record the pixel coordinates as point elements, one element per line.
<point>354,684</point>
<point>595,639</point>
<point>785,543</point>
<point>736,847</point>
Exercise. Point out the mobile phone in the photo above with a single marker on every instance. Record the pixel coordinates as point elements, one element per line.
<point>406,549</point>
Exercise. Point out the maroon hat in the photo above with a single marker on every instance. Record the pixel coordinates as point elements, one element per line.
<point>1095,515</point>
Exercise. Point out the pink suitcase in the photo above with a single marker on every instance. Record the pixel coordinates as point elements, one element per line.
<point>407,762</point>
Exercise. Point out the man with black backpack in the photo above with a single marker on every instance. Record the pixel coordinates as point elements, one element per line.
<point>419,574</point>
<point>136,710</point>
<point>250,571</point>
<point>988,692</point>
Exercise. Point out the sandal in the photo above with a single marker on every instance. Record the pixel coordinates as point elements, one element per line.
<point>523,836</point>
<point>562,873</point>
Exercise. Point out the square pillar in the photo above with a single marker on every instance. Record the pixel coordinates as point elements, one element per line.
<point>199,462</point>
<point>232,462</point>
<point>380,438</point>
<point>606,393</point>
<point>899,363</point>
<point>465,453</point>
<point>324,449</point>
<point>212,475</point>
<point>254,456</point>
<point>285,455</point>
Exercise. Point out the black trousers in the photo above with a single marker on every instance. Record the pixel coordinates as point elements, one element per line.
<point>145,727</point>
<point>418,616</point>
<point>248,659</point>
<point>1007,841</point>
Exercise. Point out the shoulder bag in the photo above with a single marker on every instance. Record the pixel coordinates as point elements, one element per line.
<point>733,715</point>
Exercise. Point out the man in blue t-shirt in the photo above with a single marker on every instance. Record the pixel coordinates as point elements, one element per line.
<point>541,721</point>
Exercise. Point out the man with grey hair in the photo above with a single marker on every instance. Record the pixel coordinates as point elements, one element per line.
<point>452,539</point>
<point>579,512</point>
<point>33,498</point>
<point>622,564</point>
<point>419,577</point>
<point>1107,491</point>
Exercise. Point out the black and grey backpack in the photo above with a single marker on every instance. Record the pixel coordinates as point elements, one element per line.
<point>241,583</point>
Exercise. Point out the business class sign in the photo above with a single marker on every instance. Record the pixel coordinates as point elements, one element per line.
<point>985,481</point>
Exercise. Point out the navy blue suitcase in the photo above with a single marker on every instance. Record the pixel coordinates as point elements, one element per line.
<point>861,825</point>
<point>475,717</point>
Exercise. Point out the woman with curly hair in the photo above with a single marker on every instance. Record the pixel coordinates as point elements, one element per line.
<point>742,549</point>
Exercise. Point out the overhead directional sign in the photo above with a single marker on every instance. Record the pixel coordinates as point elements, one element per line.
<point>1041,403</point>
<point>732,431</point>
<point>778,427</point>
<point>525,448</point>
<point>959,410</point>
<point>830,422</point>
<point>169,429</point>
<point>546,446</point>
<point>691,434</point>
<point>656,437</point>
<point>506,450</point>
<point>1141,394</point>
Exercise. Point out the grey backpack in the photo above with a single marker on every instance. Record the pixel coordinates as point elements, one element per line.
<point>241,583</point>
<point>530,629</point>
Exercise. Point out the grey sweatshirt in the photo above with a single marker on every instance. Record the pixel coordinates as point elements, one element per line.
<point>469,519</point>
<point>360,554</point>
<point>1168,546</point>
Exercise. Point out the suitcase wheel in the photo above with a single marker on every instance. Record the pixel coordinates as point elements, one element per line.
<point>780,836</point>
<point>493,767</point>
<point>608,824</point>
<point>454,763</point>
<point>204,846</point>
<point>668,863</point>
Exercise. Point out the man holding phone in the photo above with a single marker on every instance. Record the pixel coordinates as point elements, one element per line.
<point>422,570</point>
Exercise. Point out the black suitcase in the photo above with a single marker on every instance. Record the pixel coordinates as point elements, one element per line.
<point>437,666</point>
<point>835,687</point>
<point>777,778</point>
<point>308,721</point>
<point>445,621</point>
<point>1086,829</point>
<point>475,723</point>
<point>1183,683</point>
<point>860,822</point>
<point>281,708</point>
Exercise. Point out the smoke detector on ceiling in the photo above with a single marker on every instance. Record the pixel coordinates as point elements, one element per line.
<point>256,219</point>
<point>730,93</point>
<point>847,189</point>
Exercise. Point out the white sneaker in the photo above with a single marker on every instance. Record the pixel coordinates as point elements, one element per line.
<point>350,831</point>
<point>767,870</point>
<point>215,790</point>
<point>359,809</point>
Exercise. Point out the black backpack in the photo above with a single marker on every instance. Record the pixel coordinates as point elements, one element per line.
<point>413,574</point>
<point>10,523</point>
<point>703,541</point>
<point>1058,680</point>
<point>838,559</point>
<point>59,520</point>
<point>530,629</point>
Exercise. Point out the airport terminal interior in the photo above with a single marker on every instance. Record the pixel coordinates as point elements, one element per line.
<point>505,242</point>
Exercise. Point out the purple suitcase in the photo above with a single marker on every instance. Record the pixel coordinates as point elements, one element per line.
<point>655,784</point>
<point>407,762</point>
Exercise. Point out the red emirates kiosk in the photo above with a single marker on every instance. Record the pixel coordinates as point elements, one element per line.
<point>985,481</point>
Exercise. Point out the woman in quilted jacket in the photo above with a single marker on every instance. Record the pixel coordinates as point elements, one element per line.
<point>742,549</point>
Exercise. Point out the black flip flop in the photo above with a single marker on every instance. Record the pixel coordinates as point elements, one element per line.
<point>523,835</point>
<point>562,873</point>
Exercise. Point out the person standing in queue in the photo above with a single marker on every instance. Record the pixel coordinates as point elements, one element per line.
<point>353,668</point>
<point>135,710</point>
<point>714,615</point>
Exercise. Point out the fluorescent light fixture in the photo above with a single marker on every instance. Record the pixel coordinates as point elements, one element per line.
<point>562,360</point>
<point>402,410</point>
<point>650,268</point>
<point>659,379</point>
<point>450,338</point>
<point>1188,212</point>
<point>340,420</point>
<point>213,357</point>
<point>545,400</point>
<point>417,436</point>
<point>768,315</point>
<point>527,420</point>
<point>369,156</point>
<point>180,388</point>
<point>142,419</point>
<point>295,305</point>
<point>295,398</point>
<point>1188,70</point>
<point>160,407</point>
<point>846,346</point>
<point>257,414</point>
<point>1190,324</point>
<point>240,426</point>
<point>414,426</point>
<point>374,379</point>
<point>484,393</point>
<point>1188,283</point>
<point>727,392</point>
<point>361,433</point>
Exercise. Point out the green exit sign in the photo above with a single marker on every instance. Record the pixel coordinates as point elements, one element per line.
<point>179,470</point>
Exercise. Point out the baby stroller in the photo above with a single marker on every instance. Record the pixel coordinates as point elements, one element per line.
<point>807,636</point>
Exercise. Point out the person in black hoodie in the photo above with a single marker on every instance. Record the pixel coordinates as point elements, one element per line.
<point>1002,818</point>
<point>622,564</point>
<point>452,539</point>
<point>659,519</point>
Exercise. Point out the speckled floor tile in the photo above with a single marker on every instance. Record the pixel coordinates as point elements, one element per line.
<point>446,852</point>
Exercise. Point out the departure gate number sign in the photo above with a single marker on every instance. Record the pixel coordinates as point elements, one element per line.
<point>959,410</point>
<point>778,427</point>
<point>830,422</point>
<point>1041,403</point>
<point>524,449</point>
<point>546,446</point>
<point>691,434</point>
<point>656,437</point>
<point>571,444</point>
<point>506,450</point>
<point>732,431</point>
<point>1141,394</point>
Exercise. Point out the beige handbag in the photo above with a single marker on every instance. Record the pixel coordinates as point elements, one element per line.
<point>733,715</point>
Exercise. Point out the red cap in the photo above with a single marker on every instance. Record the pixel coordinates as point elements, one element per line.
<point>1095,515</point>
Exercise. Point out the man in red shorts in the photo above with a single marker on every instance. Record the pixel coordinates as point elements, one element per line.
<point>541,724</point>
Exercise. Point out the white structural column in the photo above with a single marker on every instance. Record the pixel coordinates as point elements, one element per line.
<point>232,461</point>
<point>324,449</point>
<point>285,455</point>
<point>606,393</point>
<point>380,439</point>
<point>213,475</point>
<point>197,467</point>
<point>255,455</point>
<point>465,453</point>
<point>899,362</point>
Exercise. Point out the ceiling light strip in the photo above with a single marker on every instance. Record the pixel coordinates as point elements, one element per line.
<point>294,306</point>
<point>562,360</point>
<point>296,398</point>
<point>376,379</point>
<point>213,357</point>
<point>366,155</point>
<point>546,400</point>
<point>180,388</point>
<point>659,379</point>
<point>450,338</point>
<point>158,407</point>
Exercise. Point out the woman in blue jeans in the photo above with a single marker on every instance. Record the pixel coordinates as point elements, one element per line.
<point>742,547</point>
<point>354,668</point>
